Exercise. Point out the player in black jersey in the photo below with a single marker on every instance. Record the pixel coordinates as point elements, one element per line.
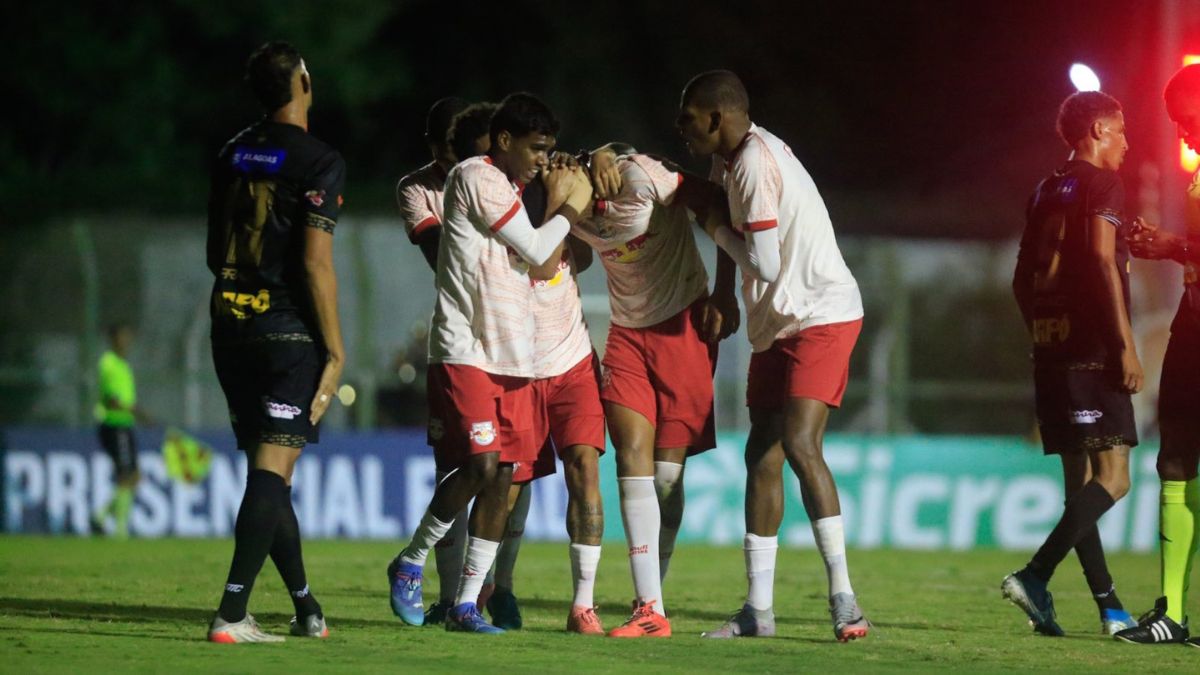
<point>1072,285</point>
<point>1178,393</point>
<point>277,344</point>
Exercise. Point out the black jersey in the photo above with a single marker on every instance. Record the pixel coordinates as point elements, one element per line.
<point>1070,324</point>
<point>1187,319</point>
<point>270,183</point>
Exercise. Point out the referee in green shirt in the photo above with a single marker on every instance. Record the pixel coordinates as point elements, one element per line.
<point>116,413</point>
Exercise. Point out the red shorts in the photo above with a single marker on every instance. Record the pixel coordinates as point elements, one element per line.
<point>569,413</point>
<point>664,372</point>
<point>815,364</point>
<point>473,412</point>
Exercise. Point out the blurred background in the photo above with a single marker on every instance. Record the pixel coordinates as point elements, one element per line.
<point>926,125</point>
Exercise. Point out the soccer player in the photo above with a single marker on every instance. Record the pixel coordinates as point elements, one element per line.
<point>1072,285</point>
<point>803,316</point>
<point>659,358</point>
<point>277,342</point>
<point>117,412</point>
<point>481,345</point>
<point>419,194</point>
<point>1178,394</point>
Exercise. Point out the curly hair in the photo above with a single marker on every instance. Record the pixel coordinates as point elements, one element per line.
<point>1080,111</point>
<point>468,125</point>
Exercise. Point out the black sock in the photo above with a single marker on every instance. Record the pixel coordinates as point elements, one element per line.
<point>1095,570</point>
<point>285,553</point>
<point>1081,514</point>
<point>257,519</point>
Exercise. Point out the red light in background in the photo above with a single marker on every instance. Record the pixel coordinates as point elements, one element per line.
<point>1189,161</point>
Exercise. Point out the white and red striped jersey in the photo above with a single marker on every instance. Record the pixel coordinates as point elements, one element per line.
<point>419,196</point>
<point>769,188</point>
<point>562,338</point>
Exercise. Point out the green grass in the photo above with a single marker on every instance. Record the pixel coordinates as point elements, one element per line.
<point>100,606</point>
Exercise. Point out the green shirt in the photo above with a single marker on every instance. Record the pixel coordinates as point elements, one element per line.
<point>116,383</point>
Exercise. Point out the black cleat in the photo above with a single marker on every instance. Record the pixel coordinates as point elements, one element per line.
<point>1155,627</point>
<point>503,607</point>
<point>1029,593</point>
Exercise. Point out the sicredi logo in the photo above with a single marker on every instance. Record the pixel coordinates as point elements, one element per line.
<point>1085,416</point>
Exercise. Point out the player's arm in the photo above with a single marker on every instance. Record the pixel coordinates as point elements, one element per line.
<point>581,253</point>
<point>1022,283</point>
<point>424,228</point>
<point>429,241</point>
<point>322,281</point>
<point>1151,243</point>
<point>1102,254</point>
<point>537,246</point>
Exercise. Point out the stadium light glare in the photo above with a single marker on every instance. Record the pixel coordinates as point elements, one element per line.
<point>1189,161</point>
<point>1084,78</point>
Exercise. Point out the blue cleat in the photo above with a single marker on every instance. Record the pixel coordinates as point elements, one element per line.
<point>405,580</point>
<point>1029,593</point>
<point>1113,621</point>
<point>466,619</point>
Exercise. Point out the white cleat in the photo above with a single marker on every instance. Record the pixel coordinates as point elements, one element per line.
<point>246,630</point>
<point>312,626</point>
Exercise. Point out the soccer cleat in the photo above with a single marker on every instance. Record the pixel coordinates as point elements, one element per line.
<point>1155,627</point>
<point>583,620</point>
<point>466,619</point>
<point>312,626</point>
<point>644,622</point>
<point>436,614</point>
<point>502,606</point>
<point>405,580</point>
<point>848,620</point>
<point>746,622</point>
<point>1113,621</point>
<point>96,526</point>
<point>1192,642</point>
<point>246,630</point>
<point>1029,593</point>
<point>485,594</point>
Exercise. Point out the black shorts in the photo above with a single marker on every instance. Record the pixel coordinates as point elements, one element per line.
<point>1179,388</point>
<point>1082,410</point>
<point>269,386</point>
<point>120,445</point>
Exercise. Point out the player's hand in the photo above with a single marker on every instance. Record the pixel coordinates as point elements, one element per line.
<point>559,183</point>
<point>1154,244</point>
<point>563,160</point>
<point>726,304</point>
<point>326,390</point>
<point>709,322</point>
<point>605,175</point>
<point>1131,371</point>
<point>581,189</point>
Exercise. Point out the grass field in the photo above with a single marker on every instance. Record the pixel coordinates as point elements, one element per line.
<point>100,606</point>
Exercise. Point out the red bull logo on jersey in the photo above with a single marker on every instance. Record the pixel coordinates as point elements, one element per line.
<point>483,433</point>
<point>630,251</point>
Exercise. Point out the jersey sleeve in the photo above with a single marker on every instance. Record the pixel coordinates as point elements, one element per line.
<point>322,197</point>
<point>756,188</point>
<point>415,209</point>
<point>493,198</point>
<point>653,179</point>
<point>1106,197</point>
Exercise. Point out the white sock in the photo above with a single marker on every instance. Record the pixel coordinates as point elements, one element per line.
<point>480,554</point>
<point>760,570</point>
<point>668,485</point>
<point>831,541</point>
<point>584,561</point>
<point>449,554</point>
<point>429,532</point>
<point>639,511</point>
<point>510,546</point>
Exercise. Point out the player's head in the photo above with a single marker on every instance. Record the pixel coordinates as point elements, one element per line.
<point>1182,96</point>
<point>469,133</point>
<point>711,102</point>
<point>437,125</point>
<point>522,131</point>
<point>120,336</point>
<point>1091,121</point>
<point>277,76</point>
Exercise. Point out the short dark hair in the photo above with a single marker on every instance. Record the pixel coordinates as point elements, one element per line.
<point>1081,109</point>
<point>522,114</point>
<point>717,90</point>
<point>269,73</point>
<point>1185,83</point>
<point>115,328</point>
<point>474,121</point>
<point>441,114</point>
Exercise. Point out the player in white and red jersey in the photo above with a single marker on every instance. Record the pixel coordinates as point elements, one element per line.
<point>419,194</point>
<point>659,359</point>
<point>803,316</point>
<point>481,345</point>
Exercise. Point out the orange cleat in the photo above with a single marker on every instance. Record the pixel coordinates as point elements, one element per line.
<point>644,622</point>
<point>583,620</point>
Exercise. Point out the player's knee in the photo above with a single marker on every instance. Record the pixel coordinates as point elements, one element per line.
<point>764,463</point>
<point>803,450</point>
<point>483,469</point>
<point>582,469</point>
<point>1116,483</point>
<point>1175,466</point>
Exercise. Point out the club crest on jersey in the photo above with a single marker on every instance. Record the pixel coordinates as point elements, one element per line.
<point>436,428</point>
<point>483,433</point>
<point>1085,416</point>
<point>315,197</point>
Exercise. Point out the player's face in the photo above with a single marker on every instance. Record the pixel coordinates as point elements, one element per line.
<point>123,340</point>
<point>1113,145</point>
<point>1186,116</point>
<point>527,155</point>
<point>697,129</point>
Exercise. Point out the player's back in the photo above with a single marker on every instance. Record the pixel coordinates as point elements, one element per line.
<point>482,317</point>
<point>270,183</point>
<point>1068,292</point>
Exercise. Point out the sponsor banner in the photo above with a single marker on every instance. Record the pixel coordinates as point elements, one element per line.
<point>914,492</point>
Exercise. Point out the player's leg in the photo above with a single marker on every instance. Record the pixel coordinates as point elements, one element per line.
<point>497,594</point>
<point>764,514</point>
<point>118,443</point>
<point>448,555</point>
<point>668,486</point>
<point>585,527</point>
<point>1178,457</point>
<point>489,517</point>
